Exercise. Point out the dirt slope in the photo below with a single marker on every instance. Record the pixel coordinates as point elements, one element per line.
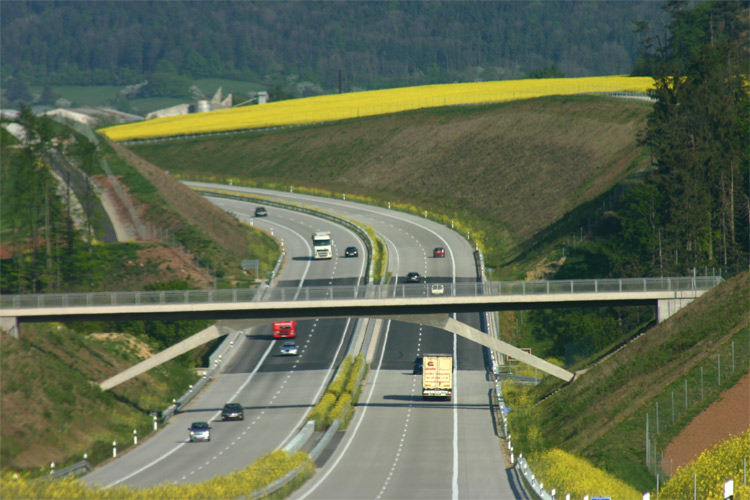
<point>730,416</point>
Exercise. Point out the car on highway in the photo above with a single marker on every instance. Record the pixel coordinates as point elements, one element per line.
<point>437,289</point>
<point>289,349</point>
<point>261,212</point>
<point>417,365</point>
<point>233,411</point>
<point>351,252</point>
<point>438,252</point>
<point>200,431</point>
<point>413,278</point>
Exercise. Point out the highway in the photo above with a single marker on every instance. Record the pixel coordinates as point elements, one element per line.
<point>276,391</point>
<point>397,445</point>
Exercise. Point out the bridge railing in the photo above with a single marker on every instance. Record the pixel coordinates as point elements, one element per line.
<point>398,290</point>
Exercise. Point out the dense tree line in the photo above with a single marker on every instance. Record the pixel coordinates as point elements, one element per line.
<point>313,46</point>
<point>693,210</point>
<point>47,250</point>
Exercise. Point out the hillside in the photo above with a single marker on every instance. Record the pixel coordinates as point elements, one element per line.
<point>611,399</point>
<point>52,411</point>
<point>519,168</point>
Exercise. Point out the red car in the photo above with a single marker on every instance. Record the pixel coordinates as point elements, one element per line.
<point>438,252</point>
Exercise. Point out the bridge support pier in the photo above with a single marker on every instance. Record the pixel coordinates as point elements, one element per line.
<point>10,325</point>
<point>667,307</point>
<point>445,322</point>
<point>190,343</point>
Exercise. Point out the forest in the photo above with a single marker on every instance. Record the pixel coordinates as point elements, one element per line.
<point>309,48</point>
<point>692,213</point>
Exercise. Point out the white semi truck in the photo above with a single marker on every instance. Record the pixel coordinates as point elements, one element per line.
<point>322,245</point>
<point>437,376</point>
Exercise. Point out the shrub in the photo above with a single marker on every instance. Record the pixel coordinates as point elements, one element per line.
<point>337,386</point>
<point>567,473</point>
<point>339,409</point>
<point>318,414</point>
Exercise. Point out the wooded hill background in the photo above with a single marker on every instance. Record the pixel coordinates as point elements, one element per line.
<point>307,48</point>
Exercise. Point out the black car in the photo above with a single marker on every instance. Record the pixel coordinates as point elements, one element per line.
<point>232,411</point>
<point>351,252</point>
<point>261,212</point>
<point>417,365</point>
<point>413,277</point>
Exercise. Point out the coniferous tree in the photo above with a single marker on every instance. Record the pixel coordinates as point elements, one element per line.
<point>698,132</point>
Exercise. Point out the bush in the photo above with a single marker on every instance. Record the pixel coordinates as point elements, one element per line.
<point>339,410</point>
<point>337,386</point>
<point>318,414</point>
<point>567,473</point>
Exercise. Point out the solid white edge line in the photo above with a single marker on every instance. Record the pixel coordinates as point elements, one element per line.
<point>359,421</point>
<point>454,486</point>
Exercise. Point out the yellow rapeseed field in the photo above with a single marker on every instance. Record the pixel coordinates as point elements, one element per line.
<point>708,472</point>
<point>376,102</point>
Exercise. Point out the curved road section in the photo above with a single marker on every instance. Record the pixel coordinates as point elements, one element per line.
<point>275,391</point>
<point>397,445</point>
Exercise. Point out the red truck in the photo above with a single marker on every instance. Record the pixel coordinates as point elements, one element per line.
<point>285,329</point>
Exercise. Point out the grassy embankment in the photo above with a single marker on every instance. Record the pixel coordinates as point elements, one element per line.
<point>218,240</point>
<point>52,409</point>
<point>602,415</point>
<point>526,174</point>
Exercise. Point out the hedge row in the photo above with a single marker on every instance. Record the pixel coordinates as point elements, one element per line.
<point>340,393</point>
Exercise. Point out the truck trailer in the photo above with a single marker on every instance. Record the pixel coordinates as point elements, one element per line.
<point>437,376</point>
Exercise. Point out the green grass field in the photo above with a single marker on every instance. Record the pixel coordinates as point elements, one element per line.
<point>512,170</point>
<point>104,95</point>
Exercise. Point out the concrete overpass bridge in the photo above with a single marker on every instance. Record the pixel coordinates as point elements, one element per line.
<point>415,303</point>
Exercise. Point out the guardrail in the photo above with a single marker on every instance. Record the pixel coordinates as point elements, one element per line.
<point>283,294</point>
<point>77,469</point>
<point>364,236</point>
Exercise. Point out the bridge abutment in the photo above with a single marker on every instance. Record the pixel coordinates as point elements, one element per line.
<point>668,307</point>
<point>10,325</point>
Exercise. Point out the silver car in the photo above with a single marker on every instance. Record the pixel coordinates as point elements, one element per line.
<point>289,349</point>
<point>200,431</point>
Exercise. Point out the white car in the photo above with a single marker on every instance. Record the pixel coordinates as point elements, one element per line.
<point>200,431</point>
<point>289,349</point>
<point>437,289</point>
